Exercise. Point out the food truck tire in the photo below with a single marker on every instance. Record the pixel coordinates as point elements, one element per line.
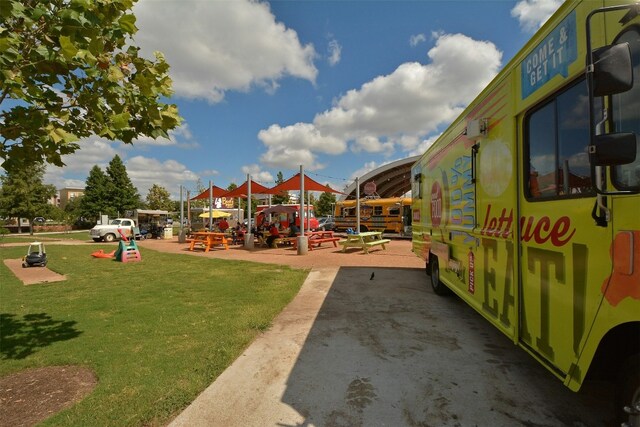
<point>628,391</point>
<point>434,268</point>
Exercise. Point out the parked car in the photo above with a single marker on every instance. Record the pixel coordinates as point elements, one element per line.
<point>326,223</point>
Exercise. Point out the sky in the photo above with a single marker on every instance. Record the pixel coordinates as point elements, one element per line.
<point>339,87</point>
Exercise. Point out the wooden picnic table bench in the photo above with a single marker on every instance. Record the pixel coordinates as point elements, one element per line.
<point>364,241</point>
<point>287,240</point>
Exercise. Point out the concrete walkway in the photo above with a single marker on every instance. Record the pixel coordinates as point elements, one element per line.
<point>249,392</point>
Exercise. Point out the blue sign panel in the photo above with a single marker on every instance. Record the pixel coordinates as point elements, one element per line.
<point>551,57</point>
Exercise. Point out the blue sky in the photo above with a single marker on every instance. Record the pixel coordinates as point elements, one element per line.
<point>341,87</point>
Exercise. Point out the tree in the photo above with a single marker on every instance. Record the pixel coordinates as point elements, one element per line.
<point>23,195</point>
<point>72,213</point>
<point>159,198</point>
<point>96,196</point>
<point>199,189</point>
<point>68,71</point>
<point>325,204</point>
<point>283,197</point>
<point>123,195</point>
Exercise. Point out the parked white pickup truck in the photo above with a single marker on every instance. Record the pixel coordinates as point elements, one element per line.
<point>109,232</point>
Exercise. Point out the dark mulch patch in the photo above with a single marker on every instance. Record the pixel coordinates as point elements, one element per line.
<point>33,395</point>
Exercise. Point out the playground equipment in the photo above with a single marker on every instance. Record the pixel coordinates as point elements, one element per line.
<point>102,254</point>
<point>36,256</point>
<point>127,250</point>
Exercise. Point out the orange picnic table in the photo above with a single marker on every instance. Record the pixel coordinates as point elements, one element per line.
<point>207,239</point>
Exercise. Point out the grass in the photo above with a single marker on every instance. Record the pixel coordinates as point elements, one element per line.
<point>82,235</point>
<point>156,332</point>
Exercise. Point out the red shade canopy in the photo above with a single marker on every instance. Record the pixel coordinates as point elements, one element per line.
<point>242,190</point>
<point>293,183</point>
<point>217,192</point>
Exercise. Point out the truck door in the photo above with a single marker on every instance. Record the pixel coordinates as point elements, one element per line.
<point>564,255</point>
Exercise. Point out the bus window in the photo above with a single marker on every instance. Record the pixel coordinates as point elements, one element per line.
<point>556,140</point>
<point>394,211</point>
<point>377,210</point>
<point>626,116</point>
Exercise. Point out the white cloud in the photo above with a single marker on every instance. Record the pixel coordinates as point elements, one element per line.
<point>258,175</point>
<point>533,13</point>
<point>146,171</point>
<point>217,46</point>
<point>366,168</point>
<point>93,151</point>
<point>143,171</point>
<point>416,39</point>
<point>393,111</point>
<point>301,135</point>
<point>372,144</point>
<point>290,157</point>
<point>335,52</point>
<point>179,136</point>
<point>295,145</point>
<point>423,145</point>
<point>415,99</point>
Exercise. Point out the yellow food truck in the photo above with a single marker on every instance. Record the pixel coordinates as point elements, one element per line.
<point>528,208</point>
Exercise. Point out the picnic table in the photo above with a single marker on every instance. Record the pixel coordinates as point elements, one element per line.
<point>364,240</point>
<point>314,238</point>
<point>208,239</point>
<point>317,238</point>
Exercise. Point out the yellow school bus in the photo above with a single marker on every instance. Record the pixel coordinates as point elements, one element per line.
<point>392,214</point>
<point>527,207</point>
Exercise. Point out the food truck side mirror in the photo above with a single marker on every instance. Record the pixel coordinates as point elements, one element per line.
<point>614,149</point>
<point>612,70</point>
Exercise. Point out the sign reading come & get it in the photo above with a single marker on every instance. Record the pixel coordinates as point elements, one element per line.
<point>551,57</point>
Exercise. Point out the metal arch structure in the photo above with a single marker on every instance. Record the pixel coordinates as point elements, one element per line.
<point>392,179</point>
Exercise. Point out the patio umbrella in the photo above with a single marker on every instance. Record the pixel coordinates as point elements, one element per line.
<point>215,214</point>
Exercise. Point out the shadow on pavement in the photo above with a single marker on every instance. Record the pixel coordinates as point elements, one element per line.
<point>384,350</point>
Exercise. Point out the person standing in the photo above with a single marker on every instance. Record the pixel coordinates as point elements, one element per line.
<point>223,225</point>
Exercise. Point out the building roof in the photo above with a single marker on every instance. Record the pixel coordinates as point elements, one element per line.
<point>392,179</point>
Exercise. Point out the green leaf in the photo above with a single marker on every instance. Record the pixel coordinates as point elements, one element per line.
<point>59,135</point>
<point>5,43</point>
<point>128,23</point>
<point>67,47</point>
<point>106,132</point>
<point>37,13</point>
<point>84,4</point>
<point>43,51</point>
<point>120,121</point>
<point>115,74</point>
<point>96,46</point>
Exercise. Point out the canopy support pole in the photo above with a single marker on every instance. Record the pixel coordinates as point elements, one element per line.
<point>302,239</point>
<point>248,237</point>
<point>357,205</point>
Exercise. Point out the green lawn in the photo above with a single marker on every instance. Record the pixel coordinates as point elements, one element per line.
<point>156,332</point>
<point>26,237</point>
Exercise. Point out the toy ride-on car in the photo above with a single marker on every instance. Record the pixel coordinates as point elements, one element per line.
<point>36,256</point>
